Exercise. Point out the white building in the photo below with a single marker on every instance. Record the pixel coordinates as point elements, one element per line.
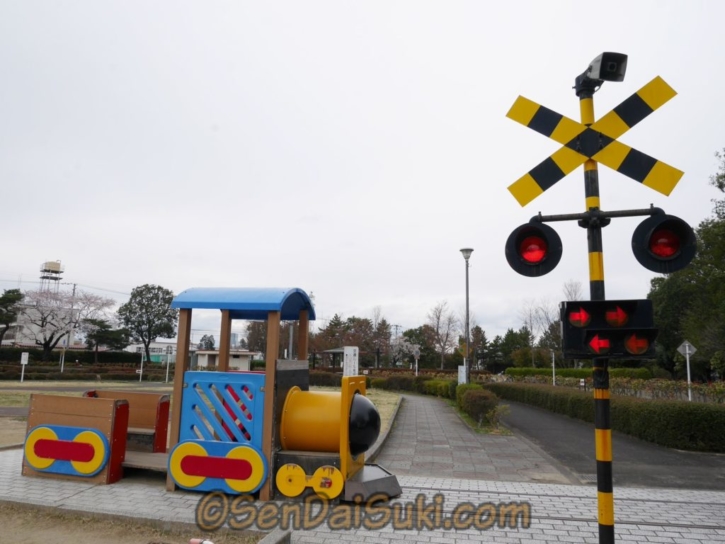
<point>239,359</point>
<point>160,350</point>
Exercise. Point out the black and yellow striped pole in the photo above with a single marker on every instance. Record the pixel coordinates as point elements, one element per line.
<point>602,419</point>
<point>590,143</point>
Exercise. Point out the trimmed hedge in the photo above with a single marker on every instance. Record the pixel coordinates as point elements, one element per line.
<point>416,384</point>
<point>329,379</point>
<point>636,373</point>
<point>478,403</point>
<point>12,355</point>
<point>462,389</point>
<point>674,424</point>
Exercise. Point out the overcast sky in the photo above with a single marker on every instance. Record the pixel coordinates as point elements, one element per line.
<point>346,148</point>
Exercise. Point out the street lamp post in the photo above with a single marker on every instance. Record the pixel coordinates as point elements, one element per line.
<point>467,255</point>
<point>553,368</point>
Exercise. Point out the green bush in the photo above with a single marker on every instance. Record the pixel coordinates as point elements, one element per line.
<point>522,372</point>
<point>452,386</point>
<point>478,403</point>
<point>419,383</point>
<point>401,383</point>
<point>674,424</point>
<point>327,379</point>
<point>438,388</point>
<point>461,390</point>
<point>378,383</point>
<point>12,355</point>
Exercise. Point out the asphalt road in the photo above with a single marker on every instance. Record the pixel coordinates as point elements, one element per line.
<point>634,462</point>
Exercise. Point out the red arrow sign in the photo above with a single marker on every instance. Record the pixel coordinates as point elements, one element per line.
<point>636,345</point>
<point>580,318</point>
<point>617,317</point>
<point>599,345</point>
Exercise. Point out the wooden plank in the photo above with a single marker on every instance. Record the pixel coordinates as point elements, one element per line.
<point>148,411</point>
<point>271,356</point>
<point>101,424</point>
<point>225,341</point>
<point>113,427</point>
<point>72,405</point>
<point>182,361</point>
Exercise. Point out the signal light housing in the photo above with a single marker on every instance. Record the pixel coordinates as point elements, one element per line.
<point>664,243</point>
<point>608,328</point>
<point>533,249</point>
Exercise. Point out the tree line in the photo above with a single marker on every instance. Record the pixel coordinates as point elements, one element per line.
<point>688,305</point>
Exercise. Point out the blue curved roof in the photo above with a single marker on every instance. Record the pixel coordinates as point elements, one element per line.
<point>247,302</point>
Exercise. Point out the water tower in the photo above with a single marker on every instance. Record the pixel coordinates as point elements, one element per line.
<point>51,272</point>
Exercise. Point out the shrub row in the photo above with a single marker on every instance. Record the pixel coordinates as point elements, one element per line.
<point>329,379</point>
<point>674,424</point>
<point>153,376</point>
<point>470,398</point>
<point>12,355</point>
<point>637,373</point>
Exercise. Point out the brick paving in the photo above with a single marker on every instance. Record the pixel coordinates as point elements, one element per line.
<point>429,438</point>
<point>559,512</point>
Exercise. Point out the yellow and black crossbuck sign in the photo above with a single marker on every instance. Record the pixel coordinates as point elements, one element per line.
<point>597,142</point>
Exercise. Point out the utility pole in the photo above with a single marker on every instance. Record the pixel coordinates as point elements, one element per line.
<point>70,329</point>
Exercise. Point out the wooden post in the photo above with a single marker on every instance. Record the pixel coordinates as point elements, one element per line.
<point>225,342</point>
<point>272,354</point>
<point>303,335</point>
<point>182,360</point>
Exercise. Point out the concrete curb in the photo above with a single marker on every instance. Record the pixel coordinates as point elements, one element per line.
<point>179,527</point>
<point>278,536</point>
<point>375,450</point>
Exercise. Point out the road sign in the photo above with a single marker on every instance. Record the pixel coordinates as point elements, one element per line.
<point>687,349</point>
<point>24,358</point>
<point>597,142</point>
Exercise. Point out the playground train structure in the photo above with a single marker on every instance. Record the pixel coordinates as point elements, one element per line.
<point>241,433</point>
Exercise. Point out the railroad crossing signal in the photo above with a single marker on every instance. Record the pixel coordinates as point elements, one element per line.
<point>598,142</point>
<point>664,243</point>
<point>533,249</point>
<point>611,328</point>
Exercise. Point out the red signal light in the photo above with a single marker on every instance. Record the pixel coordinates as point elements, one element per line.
<point>599,345</point>
<point>636,345</point>
<point>533,249</point>
<point>616,317</point>
<point>580,318</point>
<point>664,243</point>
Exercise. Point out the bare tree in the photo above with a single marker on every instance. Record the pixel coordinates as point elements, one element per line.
<point>530,316</point>
<point>49,316</point>
<point>572,290</point>
<point>444,324</point>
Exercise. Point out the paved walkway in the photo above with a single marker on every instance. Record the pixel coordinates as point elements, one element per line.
<point>635,462</point>
<point>429,438</point>
<point>558,513</point>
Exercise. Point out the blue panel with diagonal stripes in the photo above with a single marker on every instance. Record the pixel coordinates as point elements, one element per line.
<point>223,406</point>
